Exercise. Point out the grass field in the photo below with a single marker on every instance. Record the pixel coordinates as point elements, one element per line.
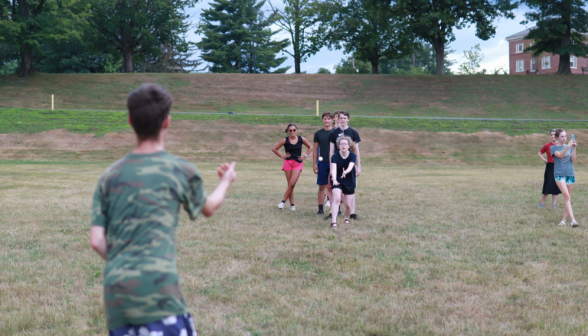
<point>439,250</point>
<point>542,97</point>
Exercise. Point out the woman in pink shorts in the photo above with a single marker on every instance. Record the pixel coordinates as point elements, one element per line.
<point>293,161</point>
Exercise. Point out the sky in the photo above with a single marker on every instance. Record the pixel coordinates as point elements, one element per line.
<point>494,50</point>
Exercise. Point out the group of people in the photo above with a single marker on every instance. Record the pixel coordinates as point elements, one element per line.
<point>336,161</point>
<point>559,172</point>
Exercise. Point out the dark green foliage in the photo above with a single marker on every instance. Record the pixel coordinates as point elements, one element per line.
<point>421,61</point>
<point>238,38</point>
<point>323,71</point>
<point>368,29</point>
<point>435,21</point>
<point>352,66</point>
<point>73,57</point>
<point>99,123</point>
<point>139,30</point>
<point>299,18</point>
<point>560,28</point>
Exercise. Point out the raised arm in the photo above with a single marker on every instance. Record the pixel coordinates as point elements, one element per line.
<point>574,152</point>
<point>563,153</point>
<point>227,175</point>
<point>278,146</point>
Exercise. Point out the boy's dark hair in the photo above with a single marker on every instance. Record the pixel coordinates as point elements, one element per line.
<point>327,114</point>
<point>148,106</point>
<point>558,131</point>
<point>345,113</point>
<point>336,113</point>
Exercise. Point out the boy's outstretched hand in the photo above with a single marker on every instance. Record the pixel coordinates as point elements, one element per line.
<point>227,172</point>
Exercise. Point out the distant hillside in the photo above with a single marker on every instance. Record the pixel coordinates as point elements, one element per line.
<point>550,97</point>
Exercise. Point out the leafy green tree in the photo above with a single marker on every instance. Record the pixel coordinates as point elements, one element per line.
<point>352,66</point>
<point>171,60</point>
<point>73,57</point>
<point>369,29</point>
<point>473,58</point>
<point>435,20</point>
<point>136,29</point>
<point>560,25</point>
<point>25,23</point>
<point>299,18</point>
<point>323,71</point>
<point>237,38</point>
<point>422,56</point>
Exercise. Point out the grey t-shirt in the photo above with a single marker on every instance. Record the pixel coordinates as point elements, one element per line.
<point>562,167</point>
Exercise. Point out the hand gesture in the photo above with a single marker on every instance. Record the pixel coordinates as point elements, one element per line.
<point>226,172</point>
<point>344,173</point>
<point>574,143</point>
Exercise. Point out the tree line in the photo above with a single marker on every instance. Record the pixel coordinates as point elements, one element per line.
<point>238,36</point>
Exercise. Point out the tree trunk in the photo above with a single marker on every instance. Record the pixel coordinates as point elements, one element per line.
<point>296,47</point>
<point>439,46</point>
<point>564,60</point>
<point>127,65</point>
<point>26,60</point>
<point>375,62</point>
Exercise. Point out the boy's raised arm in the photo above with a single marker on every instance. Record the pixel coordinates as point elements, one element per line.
<point>227,175</point>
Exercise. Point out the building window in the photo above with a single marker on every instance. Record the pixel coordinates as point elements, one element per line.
<point>546,62</point>
<point>520,47</point>
<point>533,65</point>
<point>573,62</point>
<point>520,65</point>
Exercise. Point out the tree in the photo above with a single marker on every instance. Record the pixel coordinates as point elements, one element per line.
<point>171,59</point>
<point>435,20</point>
<point>299,19</point>
<point>352,66</point>
<point>323,71</point>
<point>369,29</point>
<point>25,23</point>
<point>73,57</point>
<point>237,38</point>
<point>137,28</point>
<point>560,28</point>
<point>473,58</point>
<point>422,57</point>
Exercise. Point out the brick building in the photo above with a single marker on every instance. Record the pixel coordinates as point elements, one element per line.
<point>521,63</point>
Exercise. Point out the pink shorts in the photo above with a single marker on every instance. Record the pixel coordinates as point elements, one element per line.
<point>290,165</point>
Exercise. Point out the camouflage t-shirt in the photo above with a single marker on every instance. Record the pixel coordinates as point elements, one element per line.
<point>137,200</point>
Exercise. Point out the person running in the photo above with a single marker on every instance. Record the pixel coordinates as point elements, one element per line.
<point>344,129</point>
<point>342,178</point>
<point>565,177</point>
<point>549,185</point>
<point>135,215</point>
<point>320,164</point>
<point>293,161</point>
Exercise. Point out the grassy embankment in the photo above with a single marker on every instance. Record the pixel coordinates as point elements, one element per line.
<point>523,97</point>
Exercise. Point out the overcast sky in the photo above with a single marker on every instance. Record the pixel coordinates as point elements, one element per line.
<point>495,50</point>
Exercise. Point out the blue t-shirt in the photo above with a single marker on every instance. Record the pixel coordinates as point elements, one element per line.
<point>562,167</point>
<point>343,164</point>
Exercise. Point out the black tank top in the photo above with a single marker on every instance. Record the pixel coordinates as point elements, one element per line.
<point>294,150</point>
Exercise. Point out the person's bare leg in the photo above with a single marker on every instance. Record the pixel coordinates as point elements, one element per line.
<point>329,191</point>
<point>288,191</point>
<point>351,203</point>
<point>335,201</point>
<point>347,208</point>
<point>543,198</point>
<point>555,197</point>
<point>292,183</point>
<point>566,191</point>
<point>321,194</point>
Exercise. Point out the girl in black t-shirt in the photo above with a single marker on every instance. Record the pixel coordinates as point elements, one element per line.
<point>293,161</point>
<point>342,178</point>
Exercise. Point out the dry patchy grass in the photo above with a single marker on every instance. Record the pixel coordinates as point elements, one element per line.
<point>445,249</point>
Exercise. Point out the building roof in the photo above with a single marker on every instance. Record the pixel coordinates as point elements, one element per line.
<point>519,36</point>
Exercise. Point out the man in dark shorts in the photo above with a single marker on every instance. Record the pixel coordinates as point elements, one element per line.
<point>320,159</point>
<point>344,129</point>
<point>135,216</point>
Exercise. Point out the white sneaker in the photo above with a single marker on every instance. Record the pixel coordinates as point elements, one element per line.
<point>293,207</point>
<point>328,204</point>
<point>281,205</point>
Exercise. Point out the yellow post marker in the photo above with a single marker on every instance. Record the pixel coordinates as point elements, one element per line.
<point>317,108</point>
<point>52,102</point>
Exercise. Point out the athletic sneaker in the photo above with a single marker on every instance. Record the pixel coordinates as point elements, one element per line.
<point>293,207</point>
<point>353,216</point>
<point>328,204</point>
<point>281,206</point>
<point>541,205</point>
<point>320,212</point>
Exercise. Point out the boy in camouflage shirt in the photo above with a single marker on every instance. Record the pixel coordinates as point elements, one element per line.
<point>135,216</point>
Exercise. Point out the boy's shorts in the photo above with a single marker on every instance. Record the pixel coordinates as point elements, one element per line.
<point>347,189</point>
<point>179,325</point>
<point>290,165</point>
<point>568,179</point>
<point>324,169</point>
